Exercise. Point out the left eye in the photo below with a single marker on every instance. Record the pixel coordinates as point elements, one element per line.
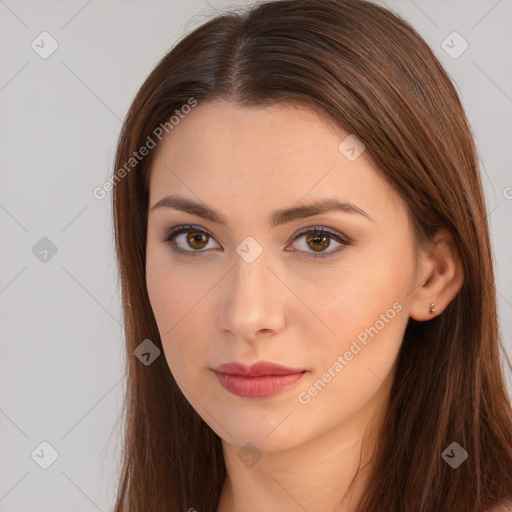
<point>316,238</point>
<point>319,239</point>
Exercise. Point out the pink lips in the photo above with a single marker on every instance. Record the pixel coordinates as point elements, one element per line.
<point>259,380</point>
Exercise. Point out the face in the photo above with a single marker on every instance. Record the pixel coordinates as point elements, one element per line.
<point>326,294</point>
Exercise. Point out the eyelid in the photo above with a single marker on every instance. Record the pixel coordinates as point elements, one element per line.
<point>340,238</point>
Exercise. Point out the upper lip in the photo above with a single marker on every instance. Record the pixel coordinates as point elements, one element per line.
<point>257,369</point>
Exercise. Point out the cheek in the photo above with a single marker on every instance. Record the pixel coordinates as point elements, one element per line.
<point>348,367</point>
<point>174,302</point>
<point>174,291</point>
<point>364,308</point>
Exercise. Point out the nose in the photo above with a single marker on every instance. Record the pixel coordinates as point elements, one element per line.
<point>254,300</point>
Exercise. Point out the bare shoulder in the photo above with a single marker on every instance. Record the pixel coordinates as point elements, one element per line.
<point>504,507</point>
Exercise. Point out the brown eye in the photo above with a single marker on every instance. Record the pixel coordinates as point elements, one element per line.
<point>189,240</point>
<point>197,239</point>
<point>314,242</point>
<point>318,241</point>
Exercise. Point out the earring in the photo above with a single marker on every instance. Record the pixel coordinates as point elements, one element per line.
<point>432,308</point>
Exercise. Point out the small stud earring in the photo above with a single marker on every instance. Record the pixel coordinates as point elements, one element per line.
<point>432,308</point>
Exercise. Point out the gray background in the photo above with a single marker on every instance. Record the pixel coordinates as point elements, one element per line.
<point>61,370</point>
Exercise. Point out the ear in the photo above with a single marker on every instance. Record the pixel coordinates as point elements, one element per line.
<point>439,276</point>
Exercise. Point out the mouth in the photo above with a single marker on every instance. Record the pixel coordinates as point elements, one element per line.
<point>258,380</point>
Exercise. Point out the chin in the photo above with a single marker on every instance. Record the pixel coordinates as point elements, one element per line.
<point>262,434</point>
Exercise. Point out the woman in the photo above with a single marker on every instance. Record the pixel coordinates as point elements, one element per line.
<point>301,230</point>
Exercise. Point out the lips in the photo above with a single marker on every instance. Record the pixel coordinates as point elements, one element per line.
<point>257,369</point>
<point>259,380</point>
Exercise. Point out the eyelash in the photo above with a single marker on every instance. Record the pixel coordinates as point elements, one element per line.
<point>178,230</point>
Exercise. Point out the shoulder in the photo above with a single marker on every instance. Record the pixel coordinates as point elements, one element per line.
<point>504,507</point>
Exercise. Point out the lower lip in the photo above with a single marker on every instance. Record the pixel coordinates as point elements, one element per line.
<point>257,387</point>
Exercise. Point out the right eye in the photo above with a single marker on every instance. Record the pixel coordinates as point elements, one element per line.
<point>193,238</point>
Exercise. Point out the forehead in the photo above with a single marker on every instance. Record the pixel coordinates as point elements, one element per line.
<point>252,156</point>
<point>267,135</point>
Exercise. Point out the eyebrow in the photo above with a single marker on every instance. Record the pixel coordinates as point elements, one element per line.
<point>277,218</point>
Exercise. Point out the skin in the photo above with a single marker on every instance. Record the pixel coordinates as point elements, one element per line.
<point>285,307</point>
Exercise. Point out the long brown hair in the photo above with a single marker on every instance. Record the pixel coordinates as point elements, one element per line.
<point>369,72</point>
